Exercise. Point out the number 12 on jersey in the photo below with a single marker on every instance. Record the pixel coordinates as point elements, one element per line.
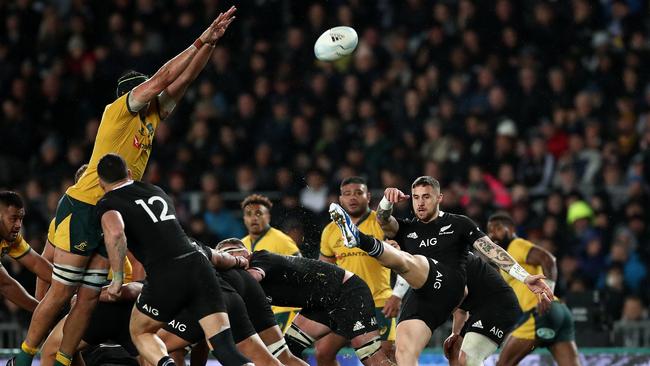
<point>163,213</point>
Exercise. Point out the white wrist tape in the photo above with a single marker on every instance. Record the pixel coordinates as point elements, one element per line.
<point>401,287</point>
<point>518,272</point>
<point>385,204</point>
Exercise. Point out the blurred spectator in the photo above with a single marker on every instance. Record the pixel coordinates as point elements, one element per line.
<point>221,222</point>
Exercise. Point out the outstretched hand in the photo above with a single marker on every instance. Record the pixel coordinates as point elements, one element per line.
<point>217,29</point>
<point>538,286</point>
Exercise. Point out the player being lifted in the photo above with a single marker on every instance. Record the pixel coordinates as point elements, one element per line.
<point>127,128</point>
<point>554,328</point>
<point>436,245</point>
<point>355,200</point>
<point>147,215</point>
<point>12,212</point>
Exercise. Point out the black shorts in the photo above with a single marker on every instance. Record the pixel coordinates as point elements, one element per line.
<point>434,302</point>
<point>186,325</point>
<point>257,304</point>
<point>184,283</point>
<point>353,313</point>
<point>496,317</point>
<point>110,322</point>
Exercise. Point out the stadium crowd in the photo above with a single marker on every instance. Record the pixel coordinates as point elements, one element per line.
<point>540,108</point>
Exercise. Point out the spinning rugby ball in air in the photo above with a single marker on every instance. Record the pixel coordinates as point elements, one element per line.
<point>335,43</point>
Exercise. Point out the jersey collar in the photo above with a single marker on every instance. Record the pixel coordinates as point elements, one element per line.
<point>364,217</point>
<point>254,242</point>
<point>128,182</point>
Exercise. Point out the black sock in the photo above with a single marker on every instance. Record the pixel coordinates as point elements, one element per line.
<point>225,351</point>
<point>371,245</point>
<point>166,361</point>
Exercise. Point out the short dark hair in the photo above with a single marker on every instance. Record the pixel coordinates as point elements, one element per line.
<point>257,199</point>
<point>80,172</point>
<point>129,80</point>
<point>112,168</point>
<point>502,217</point>
<point>230,241</point>
<point>426,180</point>
<point>10,198</point>
<point>353,180</point>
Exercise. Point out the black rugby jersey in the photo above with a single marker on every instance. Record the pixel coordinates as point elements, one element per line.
<point>483,282</point>
<point>152,231</point>
<point>297,281</point>
<point>446,239</point>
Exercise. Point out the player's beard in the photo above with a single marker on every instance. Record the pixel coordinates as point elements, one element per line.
<point>359,211</point>
<point>429,215</point>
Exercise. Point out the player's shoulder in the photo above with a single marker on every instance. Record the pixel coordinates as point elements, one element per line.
<point>455,217</point>
<point>520,243</point>
<point>329,229</point>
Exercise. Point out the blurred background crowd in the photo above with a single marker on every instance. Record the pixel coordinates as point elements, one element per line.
<point>539,108</point>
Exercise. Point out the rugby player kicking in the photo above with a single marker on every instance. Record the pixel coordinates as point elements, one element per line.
<point>433,261</point>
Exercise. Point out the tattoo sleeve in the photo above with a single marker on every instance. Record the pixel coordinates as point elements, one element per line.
<point>384,215</point>
<point>494,253</point>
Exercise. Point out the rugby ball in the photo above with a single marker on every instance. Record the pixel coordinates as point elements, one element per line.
<point>335,43</point>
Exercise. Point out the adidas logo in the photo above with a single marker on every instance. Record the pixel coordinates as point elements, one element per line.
<point>357,326</point>
<point>412,235</point>
<point>443,230</point>
<point>478,324</point>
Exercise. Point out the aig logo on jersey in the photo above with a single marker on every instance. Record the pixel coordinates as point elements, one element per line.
<point>428,242</point>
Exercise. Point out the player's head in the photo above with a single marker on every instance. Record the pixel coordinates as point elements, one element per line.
<point>80,172</point>
<point>112,169</point>
<point>12,212</point>
<point>354,196</point>
<point>233,246</point>
<point>128,81</point>
<point>257,213</point>
<point>501,228</point>
<point>425,192</point>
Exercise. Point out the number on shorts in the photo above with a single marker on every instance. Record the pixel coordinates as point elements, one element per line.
<point>163,214</point>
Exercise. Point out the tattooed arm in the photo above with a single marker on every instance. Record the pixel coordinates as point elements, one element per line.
<point>501,258</point>
<point>388,223</point>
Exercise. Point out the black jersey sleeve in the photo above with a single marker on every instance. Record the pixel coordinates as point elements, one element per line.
<point>262,260</point>
<point>202,248</point>
<point>470,231</point>
<point>103,206</point>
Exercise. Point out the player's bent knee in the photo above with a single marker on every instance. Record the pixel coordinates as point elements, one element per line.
<point>368,350</point>
<point>476,348</point>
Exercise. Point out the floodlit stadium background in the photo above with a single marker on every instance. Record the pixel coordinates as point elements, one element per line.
<point>540,108</point>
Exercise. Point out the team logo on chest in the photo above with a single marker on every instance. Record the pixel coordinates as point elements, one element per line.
<point>445,230</point>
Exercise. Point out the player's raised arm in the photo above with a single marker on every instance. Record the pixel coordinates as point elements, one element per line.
<point>115,240</point>
<point>388,223</point>
<point>149,89</point>
<point>175,91</point>
<point>504,260</point>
